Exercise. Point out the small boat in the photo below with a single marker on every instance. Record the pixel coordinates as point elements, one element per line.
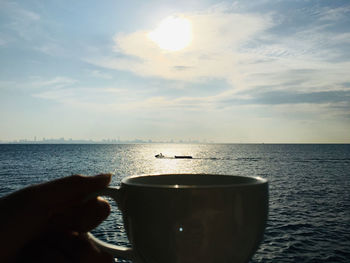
<point>183,157</point>
<point>160,155</point>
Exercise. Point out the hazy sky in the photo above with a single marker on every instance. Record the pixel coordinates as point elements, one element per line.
<point>241,71</point>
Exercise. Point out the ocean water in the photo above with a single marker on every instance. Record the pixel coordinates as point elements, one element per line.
<point>309,216</point>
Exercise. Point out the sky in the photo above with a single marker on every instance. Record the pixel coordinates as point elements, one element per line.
<point>263,71</point>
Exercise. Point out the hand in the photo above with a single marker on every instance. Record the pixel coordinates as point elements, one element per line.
<point>48,222</point>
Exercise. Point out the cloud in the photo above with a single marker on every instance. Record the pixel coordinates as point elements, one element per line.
<point>4,40</point>
<point>217,36</point>
<point>21,21</point>
<point>100,74</point>
<point>51,48</point>
<point>14,10</point>
<point>266,58</point>
<point>334,14</point>
<point>288,97</point>
<point>73,93</point>
<point>248,50</point>
<point>56,82</point>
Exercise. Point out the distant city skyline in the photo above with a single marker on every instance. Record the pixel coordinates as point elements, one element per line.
<point>63,140</point>
<point>142,141</point>
<point>225,71</point>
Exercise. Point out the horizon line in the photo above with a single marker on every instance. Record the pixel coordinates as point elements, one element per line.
<point>88,142</point>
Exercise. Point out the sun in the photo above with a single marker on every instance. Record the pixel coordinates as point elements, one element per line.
<point>172,34</point>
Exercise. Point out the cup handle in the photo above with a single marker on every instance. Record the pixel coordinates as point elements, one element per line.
<point>117,251</point>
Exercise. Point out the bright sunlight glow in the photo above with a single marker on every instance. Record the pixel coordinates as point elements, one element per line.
<point>172,34</point>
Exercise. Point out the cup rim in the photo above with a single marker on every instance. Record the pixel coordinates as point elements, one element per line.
<point>256,180</point>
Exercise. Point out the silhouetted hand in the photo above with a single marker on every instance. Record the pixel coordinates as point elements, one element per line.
<point>48,222</point>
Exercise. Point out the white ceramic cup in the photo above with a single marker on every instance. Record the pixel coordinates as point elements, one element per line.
<point>190,218</point>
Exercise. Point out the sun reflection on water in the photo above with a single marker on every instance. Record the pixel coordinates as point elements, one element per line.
<point>171,165</point>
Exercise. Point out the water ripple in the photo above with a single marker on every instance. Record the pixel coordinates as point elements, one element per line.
<point>309,217</point>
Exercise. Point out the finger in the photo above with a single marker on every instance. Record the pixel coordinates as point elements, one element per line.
<point>63,247</point>
<point>59,191</point>
<point>79,248</point>
<point>69,190</point>
<point>89,253</point>
<point>40,252</point>
<point>82,218</point>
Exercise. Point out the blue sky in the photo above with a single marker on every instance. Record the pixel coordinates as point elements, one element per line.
<point>254,71</point>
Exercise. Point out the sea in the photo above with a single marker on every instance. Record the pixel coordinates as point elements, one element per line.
<point>309,185</point>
